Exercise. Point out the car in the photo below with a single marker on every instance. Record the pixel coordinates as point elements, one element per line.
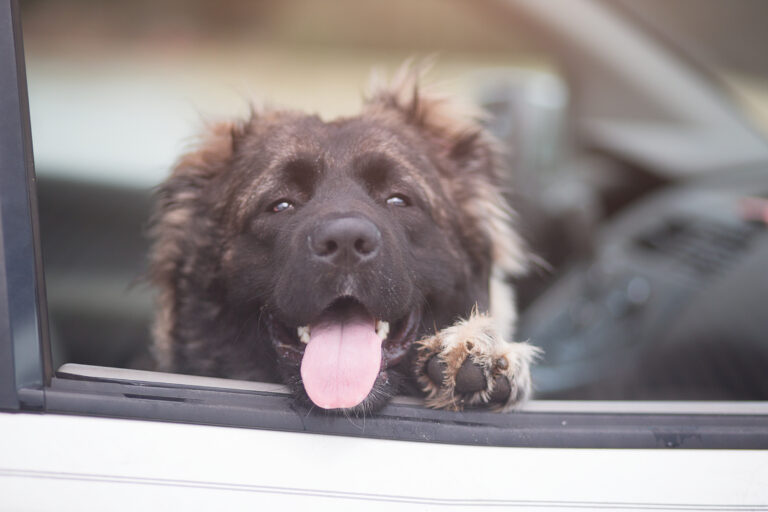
<point>641,185</point>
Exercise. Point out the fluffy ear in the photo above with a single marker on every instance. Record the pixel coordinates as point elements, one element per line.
<point>178,223</point>
<point>473,169</point>
<point>472,162</point>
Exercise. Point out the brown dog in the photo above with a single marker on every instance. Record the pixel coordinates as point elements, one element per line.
<point>343,257</point>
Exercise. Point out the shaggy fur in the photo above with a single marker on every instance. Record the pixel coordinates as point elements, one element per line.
<point>235,278</point>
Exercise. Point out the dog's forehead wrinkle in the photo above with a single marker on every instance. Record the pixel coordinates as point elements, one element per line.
<point>273,176</point>
<point>401,164</point>
<point>413,159</point>
<point>358,135</point>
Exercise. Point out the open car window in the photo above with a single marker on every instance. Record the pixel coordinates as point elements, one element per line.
<point>648,306</point>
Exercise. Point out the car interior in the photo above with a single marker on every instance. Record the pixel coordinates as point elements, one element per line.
<point>639,169</point>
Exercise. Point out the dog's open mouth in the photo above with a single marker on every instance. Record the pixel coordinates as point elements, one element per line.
<point>343,351</point>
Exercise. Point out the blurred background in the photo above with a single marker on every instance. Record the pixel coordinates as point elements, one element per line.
<point>634,132</point>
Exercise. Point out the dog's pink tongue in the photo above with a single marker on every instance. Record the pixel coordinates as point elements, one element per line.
<point>341,361</point>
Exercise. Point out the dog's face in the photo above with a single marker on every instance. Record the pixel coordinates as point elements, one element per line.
<point>345,240</point>
<point>343,234</point>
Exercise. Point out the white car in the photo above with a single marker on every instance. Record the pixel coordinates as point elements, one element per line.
<point>599,436</point>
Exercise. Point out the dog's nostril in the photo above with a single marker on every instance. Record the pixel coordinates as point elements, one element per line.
<point>330,247</point>
<point>364,246</point>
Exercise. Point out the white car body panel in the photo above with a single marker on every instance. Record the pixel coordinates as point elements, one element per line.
<point>57,462</point>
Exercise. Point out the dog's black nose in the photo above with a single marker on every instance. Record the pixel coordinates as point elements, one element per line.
<point>345,241</point>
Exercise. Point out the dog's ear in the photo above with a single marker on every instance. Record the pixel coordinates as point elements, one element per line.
<point>472,171</point>
<point>470,160</point>
<point>180,225</point>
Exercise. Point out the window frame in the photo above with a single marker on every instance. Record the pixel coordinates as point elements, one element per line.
<point>25,359</point>
<point>28,382</point>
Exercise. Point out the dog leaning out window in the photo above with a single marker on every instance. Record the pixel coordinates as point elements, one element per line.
<point>344,258</point>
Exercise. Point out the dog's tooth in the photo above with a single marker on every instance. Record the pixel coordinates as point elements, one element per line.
<point>382,329</point>
<point>303,333</point>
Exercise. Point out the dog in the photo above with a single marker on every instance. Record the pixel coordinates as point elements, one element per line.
<point>350,259</point>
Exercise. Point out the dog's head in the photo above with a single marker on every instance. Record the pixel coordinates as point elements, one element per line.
<point>340,242</point>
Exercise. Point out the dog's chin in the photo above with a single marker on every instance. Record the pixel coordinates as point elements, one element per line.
<point>343,360</point>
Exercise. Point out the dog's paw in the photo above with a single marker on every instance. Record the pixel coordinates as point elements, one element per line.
<point>469,364</point>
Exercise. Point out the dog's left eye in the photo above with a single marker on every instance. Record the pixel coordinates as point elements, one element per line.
<point>398,200</point>
<point>280,206</point>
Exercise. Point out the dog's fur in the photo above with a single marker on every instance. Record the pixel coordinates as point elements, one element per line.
<point>235,277</point>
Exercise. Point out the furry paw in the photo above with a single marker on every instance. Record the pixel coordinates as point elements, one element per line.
<point>469,364</point>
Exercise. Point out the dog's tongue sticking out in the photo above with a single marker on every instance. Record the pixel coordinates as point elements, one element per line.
<point>343,357</point>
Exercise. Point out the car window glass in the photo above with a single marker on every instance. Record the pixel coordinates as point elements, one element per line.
<point>118,93</point>
<point>641,288</point>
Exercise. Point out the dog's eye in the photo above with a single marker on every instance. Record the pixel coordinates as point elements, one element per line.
<point>281,206</point>
<point>398,200</point>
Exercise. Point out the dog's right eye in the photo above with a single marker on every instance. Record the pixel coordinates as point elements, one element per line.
<point>280,206</point>
<point>398,200</point>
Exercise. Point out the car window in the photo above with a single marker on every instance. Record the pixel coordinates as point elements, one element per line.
<point>118,92</point>
<point>642,288</point>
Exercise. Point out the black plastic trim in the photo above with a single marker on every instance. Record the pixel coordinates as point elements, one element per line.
<point>279,411</point>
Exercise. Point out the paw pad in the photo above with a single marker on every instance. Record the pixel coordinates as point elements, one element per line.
<point>471,378</point>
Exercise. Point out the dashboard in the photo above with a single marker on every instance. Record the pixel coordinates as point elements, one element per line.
<point>671,306</point>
